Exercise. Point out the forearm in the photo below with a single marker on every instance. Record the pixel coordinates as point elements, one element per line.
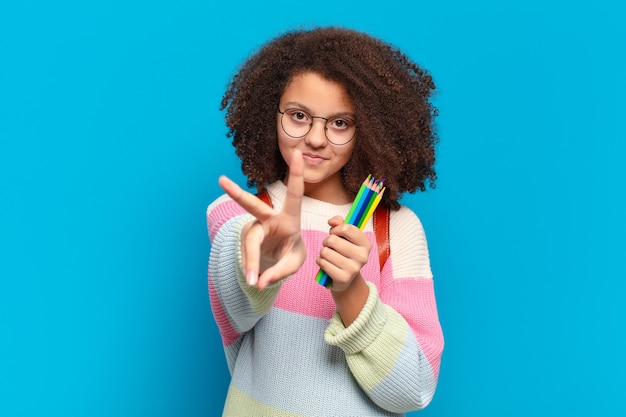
<point>350,301</point>
<point>235,304</point>
<point>385,356</point>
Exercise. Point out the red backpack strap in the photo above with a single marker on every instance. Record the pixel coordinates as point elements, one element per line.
<point>265,196</point>
<point>380,224</point>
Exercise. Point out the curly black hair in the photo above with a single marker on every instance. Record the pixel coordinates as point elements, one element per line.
<point>390,94</point>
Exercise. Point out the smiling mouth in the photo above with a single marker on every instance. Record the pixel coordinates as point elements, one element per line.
<point>313,159</point>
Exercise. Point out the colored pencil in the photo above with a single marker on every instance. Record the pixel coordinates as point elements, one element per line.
<point>367,199</point>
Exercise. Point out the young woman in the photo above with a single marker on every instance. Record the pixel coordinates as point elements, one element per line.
<point>311,114</point>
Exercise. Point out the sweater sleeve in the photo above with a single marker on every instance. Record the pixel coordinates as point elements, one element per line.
<point>236,306</point>
<point>394,346</point>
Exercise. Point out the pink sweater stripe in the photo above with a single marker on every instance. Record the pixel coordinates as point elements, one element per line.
<point>319,301</point>
<point>420,313</point>
<point>228,333</point>
<point>221,210</point>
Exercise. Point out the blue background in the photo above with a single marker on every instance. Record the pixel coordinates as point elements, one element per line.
<point>111,143</point>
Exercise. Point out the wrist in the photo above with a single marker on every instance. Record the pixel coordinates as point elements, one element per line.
<point>350,301</point>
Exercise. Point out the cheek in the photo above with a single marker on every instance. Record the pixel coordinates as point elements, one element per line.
<point>346,152</point>
<point>284,147</point>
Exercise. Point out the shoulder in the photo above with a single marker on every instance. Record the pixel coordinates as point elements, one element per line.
<point>219,200</point>
<point>224,207</point>
<point>221,205</point>
<point>408,245</point>
<point>220,211</point>
<point>405,221</point>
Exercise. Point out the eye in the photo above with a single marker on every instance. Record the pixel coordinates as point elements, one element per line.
<point>341,123</point>
<point>299,116</point>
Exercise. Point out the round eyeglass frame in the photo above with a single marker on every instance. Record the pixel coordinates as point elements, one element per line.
<point>282,115</point>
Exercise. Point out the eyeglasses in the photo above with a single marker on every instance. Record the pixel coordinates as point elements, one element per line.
<point>297,123</point>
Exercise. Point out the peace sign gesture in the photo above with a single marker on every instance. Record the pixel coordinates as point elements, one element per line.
<point>271,244</point>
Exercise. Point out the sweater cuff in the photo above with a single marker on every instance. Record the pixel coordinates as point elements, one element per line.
<point>363,331</point>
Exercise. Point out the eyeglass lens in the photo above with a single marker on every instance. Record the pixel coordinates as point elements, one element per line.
<point>297,123</point>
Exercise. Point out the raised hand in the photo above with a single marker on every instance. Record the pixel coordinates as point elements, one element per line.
<point>271,244</point>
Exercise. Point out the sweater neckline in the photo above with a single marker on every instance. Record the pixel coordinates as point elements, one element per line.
<point>278,191</point>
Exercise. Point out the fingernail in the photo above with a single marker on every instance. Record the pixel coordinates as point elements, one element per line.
<point>251,279</point>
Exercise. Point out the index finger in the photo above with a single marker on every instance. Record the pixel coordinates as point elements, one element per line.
<point>295,185</point>
<point>251,203</point>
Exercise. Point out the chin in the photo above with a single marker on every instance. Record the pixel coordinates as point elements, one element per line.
<point>314,178</point>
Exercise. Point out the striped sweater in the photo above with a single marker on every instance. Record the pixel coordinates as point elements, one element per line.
<point>286,348</point>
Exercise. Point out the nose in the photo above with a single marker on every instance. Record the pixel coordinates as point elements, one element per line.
<point>317,135</point>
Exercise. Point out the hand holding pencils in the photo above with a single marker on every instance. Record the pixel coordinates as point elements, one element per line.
<point>363,206</point>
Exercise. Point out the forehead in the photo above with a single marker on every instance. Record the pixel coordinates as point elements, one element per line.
<point>312,92</point>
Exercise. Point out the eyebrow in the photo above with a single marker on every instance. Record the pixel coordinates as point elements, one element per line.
<point>298,105</point>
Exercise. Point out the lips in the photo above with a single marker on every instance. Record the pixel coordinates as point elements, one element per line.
<point>313,159</point>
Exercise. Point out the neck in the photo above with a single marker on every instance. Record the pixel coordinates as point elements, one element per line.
<point>332,192</point>
<point>327,191</point>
